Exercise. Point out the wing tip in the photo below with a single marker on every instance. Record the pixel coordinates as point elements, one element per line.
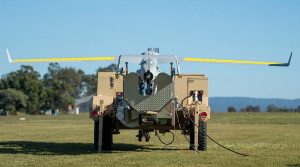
<point>284,64</point>
<point>8,56</point>
<point>290,58</point>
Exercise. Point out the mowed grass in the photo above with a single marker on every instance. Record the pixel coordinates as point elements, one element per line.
<point>272,139</point>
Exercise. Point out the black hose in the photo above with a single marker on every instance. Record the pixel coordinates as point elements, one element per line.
<point>163,141</point>
<point>206,134</point>
<point>221,144</point>
<point>184,99</point>
<point>226,147</point>
<point>180,127</point>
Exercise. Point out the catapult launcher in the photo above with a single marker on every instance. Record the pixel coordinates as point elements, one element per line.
<point>148,99</point>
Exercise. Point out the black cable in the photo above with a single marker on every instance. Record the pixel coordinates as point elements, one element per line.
<point>183,133</point>
<point>184,99</point>
<point>226,147</point>
<point>220,144</point>
<point>206,134</point>
<point>180,127</point>
<point>163,141</point>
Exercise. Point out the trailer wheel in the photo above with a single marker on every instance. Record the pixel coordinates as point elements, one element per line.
<point>96,134</point>
<point>107,133</point>
<point>140,135</point>
<point>202,139</point>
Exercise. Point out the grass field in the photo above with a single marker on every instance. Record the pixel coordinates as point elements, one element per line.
<point>272,139</point>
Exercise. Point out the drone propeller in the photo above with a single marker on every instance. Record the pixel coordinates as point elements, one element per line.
<point>209,60</point>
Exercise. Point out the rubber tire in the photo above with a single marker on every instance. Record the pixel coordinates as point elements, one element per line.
<point>140,135</point>
<point>147,138</point>
<point>107,139</point>
<point>202,139</point>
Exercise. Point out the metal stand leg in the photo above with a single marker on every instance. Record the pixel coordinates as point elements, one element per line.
<point>96,134</point>
<point>194,129</point>
<point>192,134</point>
<point>100,134</point>
<point>196,126</point>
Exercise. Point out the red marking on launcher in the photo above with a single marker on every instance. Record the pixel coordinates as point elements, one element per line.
<point>203,116</point>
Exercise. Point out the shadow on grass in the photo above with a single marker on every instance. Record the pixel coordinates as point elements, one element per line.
<point>50,148</point>
<point>294,165</point>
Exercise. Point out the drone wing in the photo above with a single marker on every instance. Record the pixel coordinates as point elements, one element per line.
<point>209,60</point>
<point>67,59</point>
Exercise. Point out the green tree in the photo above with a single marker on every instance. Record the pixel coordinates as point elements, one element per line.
<point>89,84</point>
<point>272,108</point>
<point>251,108</point>
<point>109,68</point>
<point>28,81</point>
<point>90,81</point>
<point>231,109</point>
<point>70,78</point>
<point>256,109</point>
<point>12,100</point>
<point>63,86</point>
<point>298,109</point>
<point>284,109</point>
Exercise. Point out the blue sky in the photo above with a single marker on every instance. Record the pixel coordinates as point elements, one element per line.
<point>252,30</point>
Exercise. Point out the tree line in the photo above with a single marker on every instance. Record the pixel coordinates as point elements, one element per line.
<point>25,90</point>
<point>270,108</point>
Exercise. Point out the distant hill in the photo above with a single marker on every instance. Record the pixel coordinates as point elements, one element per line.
<point>220,104</point>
